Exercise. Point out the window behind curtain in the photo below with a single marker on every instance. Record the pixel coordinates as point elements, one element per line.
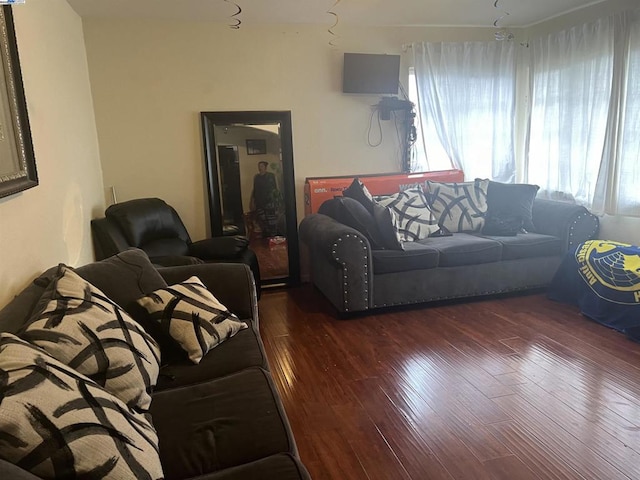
<point>426,135</point>
<point>626,171</point>
<point>465,94</point>
<point>571,86</point>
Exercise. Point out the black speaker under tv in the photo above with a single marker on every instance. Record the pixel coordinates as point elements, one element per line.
<point>371,73</point>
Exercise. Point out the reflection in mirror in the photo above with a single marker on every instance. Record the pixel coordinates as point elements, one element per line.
<point>250,174</point>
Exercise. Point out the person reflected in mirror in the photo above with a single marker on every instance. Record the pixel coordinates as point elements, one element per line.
<point>264,200</point>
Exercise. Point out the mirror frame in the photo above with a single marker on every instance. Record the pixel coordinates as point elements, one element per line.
<point>26,175</point>
<point>216,119</point>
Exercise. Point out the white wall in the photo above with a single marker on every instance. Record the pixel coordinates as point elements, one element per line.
<point>150,80</point>
<point>49,224</point>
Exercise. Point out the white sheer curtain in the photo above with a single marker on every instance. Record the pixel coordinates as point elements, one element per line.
<point>466,100</point>
<point>618,189</point>
<point>571,86</point>
<point>585,114</point>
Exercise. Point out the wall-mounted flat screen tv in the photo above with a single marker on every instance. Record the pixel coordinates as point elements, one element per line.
<point>371,73</point>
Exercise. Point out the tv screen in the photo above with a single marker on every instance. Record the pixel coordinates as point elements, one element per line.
<point>371,73</point>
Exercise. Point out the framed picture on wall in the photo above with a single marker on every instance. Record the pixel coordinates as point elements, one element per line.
<point>256,146</point>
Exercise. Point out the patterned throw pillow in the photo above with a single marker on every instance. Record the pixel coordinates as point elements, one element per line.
<point>458,207</point>
<point>192,316</point>
<point>415,219</point>
<point>57,423</point>
<point>78,325</point>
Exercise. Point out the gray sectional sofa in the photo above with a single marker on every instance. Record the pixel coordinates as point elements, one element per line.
<point>220,419</point>
<point>355,277</point>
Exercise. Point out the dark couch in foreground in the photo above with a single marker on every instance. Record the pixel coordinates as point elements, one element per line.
<point>355,278</point>
<point>219,419</point>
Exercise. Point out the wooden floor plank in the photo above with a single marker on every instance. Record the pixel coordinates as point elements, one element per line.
<point>509,468</point>
<point>508,388</point>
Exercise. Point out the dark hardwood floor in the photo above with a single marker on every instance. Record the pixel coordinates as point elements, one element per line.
<point>513,388</point>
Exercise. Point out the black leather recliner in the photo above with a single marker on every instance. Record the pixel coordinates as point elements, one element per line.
<point>152,225</point>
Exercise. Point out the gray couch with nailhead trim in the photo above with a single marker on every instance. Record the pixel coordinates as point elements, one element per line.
<point>356,278</point>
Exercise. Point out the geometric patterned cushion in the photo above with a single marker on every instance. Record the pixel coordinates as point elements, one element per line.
<point>56,423</point>
<point>78,325</point>
<point>458,207</point>
<point>192,316</point>
<point>415,219</point>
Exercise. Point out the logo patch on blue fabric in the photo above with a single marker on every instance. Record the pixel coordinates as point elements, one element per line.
<point>611,269</point>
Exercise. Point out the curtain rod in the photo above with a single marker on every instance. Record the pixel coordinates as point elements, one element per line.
<point>407,46</point>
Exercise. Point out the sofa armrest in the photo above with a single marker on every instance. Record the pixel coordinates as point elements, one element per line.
<point>231,283</point>
<point>573,224</point>
<point>341,262</point>
<point>219,247</point>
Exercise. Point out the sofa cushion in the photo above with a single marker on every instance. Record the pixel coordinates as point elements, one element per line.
<point>222,423</point>
<point>18,311</point>
<point>192,316</point>
<point>529,245</point>
<point>360,193</point>
<point>511,200</point>
<point>57,423</point>
<point>352,213</point>
<point>77,324</point>
<point>459,207</point>
<point>415,256</point>
<point>244,351</point>
<point>415,219</point>
<point>13,472</point>
<point>282,466</point>
<point>464,249</point>
<point>124,277</point>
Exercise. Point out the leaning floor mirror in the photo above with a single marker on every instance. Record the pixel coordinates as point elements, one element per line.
<point>17,159</point>
<point>249,163</point>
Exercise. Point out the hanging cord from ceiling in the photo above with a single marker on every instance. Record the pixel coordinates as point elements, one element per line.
<point>234,18</point>
<point>336,20</point>
<point>503,33</point>
<point>502,11</point>
<point>374,111</point>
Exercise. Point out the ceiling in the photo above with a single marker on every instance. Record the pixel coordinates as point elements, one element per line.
<point>350,12</point>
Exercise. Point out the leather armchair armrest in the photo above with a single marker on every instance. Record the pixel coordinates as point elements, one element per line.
<point>219,247</point>
<point>231,283</point>
<point>175,260</point>
<point>107,238</point>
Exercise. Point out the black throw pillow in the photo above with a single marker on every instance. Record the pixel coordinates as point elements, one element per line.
<point>330,208</point>
<point>502,226</point>
<point>352,213</point>
<point>359,192</point>
<point>508,202</point>
<point>388,225</point>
